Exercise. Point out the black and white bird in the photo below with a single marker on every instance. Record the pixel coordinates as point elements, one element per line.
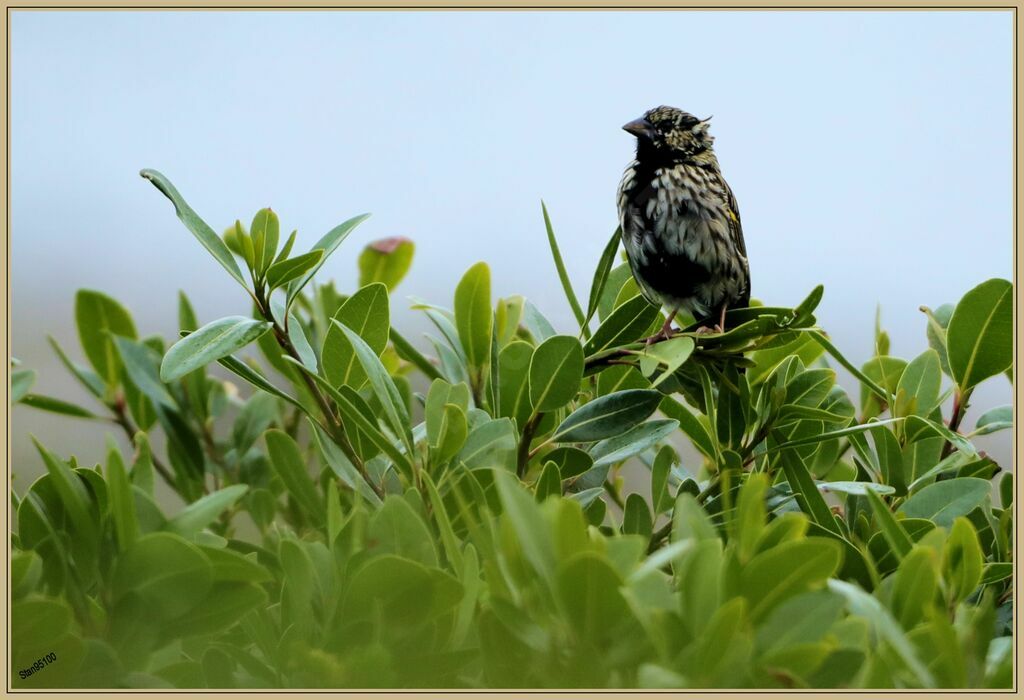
<point>680,223</point>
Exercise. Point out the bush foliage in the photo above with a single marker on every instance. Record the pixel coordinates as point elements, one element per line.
<point>370,516</point>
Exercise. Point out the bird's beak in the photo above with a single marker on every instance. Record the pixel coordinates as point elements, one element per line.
<point>640,128</point>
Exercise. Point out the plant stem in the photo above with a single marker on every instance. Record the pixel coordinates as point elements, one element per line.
<point>960,402</point>
<point>523,457</point>
<point>336,427</point>
<point>122,419</point>
<point>616,496</point>
<point>659,536</point>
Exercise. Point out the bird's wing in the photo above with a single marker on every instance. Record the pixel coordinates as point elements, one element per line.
<point>735,225</point>
<point>736,230</point>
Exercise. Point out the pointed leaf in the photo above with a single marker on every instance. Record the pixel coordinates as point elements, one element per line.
<point>980,334</point>
<point>213,341</point>
<point>199,228</point>
<point>284,272</point>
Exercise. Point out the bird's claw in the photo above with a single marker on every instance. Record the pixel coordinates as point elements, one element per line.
<point>705,330</point>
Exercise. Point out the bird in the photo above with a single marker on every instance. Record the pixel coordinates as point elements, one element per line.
<point>680,224</point>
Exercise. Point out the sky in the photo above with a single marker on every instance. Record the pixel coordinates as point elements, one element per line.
<point>869,151</point>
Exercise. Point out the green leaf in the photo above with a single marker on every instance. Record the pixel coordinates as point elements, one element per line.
<point>451,433</point>
<point>286,249</point>
<point>980,334</point>
<point>996,572</point>
<point>690,424</point>
<point>170,575</point>
<point>914,586</point>
<point>409,353</point>
<point>803,619</point>
<point>671,354</point>
<point>302,347</point>
<point>938,322</point>
<point>122,500</point>
<point>386,261</point>
<point>807,494</point>
<point>856,488</point>
<point>225,605</point>
<point>803,313</point>
<point>556,369</point>
<point>99,318</point>
<point>229,565</point>
<point>608,416</point>
<point>473,316</point>
<point>52,405</point>
<point>636,518</point>
<point>536,323</point>
<point>341,466</point>
<point>398,593</point>
<point>626,324</point>
<point>383,386</point>
<point>944,501</point>
<point>698,573</point>
<point>749,520</point>
<point>824,342</point>
<point>490,445</point>
<point>893,532</point>
<point>993,420</point>
<point>366,312</point>
<point>787,570</point>
<point>514,383</point>
<point>21,381</point>
<point>244,243</point>
<point>440,394</point>
<point>452,550</point>
<point>215,340</point>
<point>396,529</point>
<point>289,465</point>
<point>619,276</point>
<point>886,371</point>
<point>85,376</point>
<point>290,269</point>
<point>769,358</point>
<point>549,483</point>
<point>632,442</point>
<point>199,228</point>
<point>329,243</point>
<point>662,467</point>
<point>1006,490</point>
<point>888,630</point>
<point>265,232</point>
<point>832,434</point>
<point>197,515</point>
<point>921,380</point>
<point>73,495</point>
<point>530,529</point>
<point>352,412</point>
<point>918,428</point>
<point>962,560</point>
<point>563,276</point>
<point>690,520</point>
<point>589,590</point>
<point>601,276</point>
<point>258,380</point>
<point>141,363</point>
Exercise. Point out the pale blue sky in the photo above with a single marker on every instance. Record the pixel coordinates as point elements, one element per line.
<point>869,151</point>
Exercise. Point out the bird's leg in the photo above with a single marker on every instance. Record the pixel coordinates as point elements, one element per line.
<point>718,327</point>
<point>666,329</point>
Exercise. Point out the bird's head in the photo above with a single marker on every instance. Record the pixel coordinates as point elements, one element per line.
<point>670,132</point>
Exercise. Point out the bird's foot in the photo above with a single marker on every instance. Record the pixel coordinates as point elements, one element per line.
<point>666,332</point>
<point>709,330</point>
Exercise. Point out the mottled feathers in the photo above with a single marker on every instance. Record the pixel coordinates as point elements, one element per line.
<point>680,223</point>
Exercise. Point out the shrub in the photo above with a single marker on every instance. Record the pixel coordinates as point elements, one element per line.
<point>373,517</point>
